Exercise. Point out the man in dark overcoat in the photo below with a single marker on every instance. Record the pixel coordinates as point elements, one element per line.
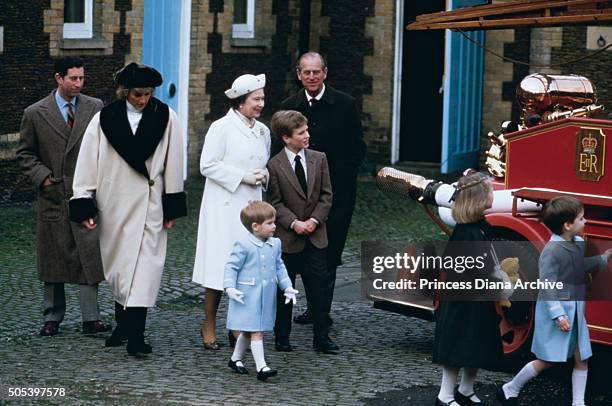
<point>335,128</point>
<point>51,133</point>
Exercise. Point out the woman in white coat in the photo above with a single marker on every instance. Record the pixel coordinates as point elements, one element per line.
<point>129,182</point>
<point>236,151</point>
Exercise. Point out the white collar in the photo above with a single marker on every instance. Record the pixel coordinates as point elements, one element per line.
<point>132,109</point>
<point>557,237</point>
<point>318,96</point>
<point>257,241</point>
<point>291,155</point>
<point>63,102</point>
<point>249,122</point>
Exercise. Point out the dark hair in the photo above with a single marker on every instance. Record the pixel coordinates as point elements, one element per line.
<point>63,64</point>
<point>285,121</point>
<point>311,54</point>
<point>235,103</point>
<point>561,210</point>
<point>256,212</point>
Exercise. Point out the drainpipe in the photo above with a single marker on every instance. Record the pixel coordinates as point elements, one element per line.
<point>304,39</point>
<point>397,81</point>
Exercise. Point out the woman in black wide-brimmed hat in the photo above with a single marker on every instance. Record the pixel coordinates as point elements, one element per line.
<point>129,182</point>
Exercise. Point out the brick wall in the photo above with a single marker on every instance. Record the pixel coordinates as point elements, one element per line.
<point>32,43</point>
<point>495,108</point>
<point>346,45</point>
<point>378,105</point>
<point>337,30</point>
<point>597,68</point>
<point>200,61</point>
<point>543,49</point>
<point>229,62</point>
<point>134,23</point>
<point>216,60</point>
<point>346,30</point>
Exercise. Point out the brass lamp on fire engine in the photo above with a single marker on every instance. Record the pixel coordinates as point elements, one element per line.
<point>543,98</point>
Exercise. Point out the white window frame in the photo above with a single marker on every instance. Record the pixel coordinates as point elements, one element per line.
<point>246,30</point>
<point>84,29</point>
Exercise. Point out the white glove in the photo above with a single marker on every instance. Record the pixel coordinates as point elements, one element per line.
<point>290,295</point>
<point>235,294</point>
<point>264,172</point>
<point>253,179</point>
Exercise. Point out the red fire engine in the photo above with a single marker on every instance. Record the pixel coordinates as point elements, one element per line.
<point>555,150</point>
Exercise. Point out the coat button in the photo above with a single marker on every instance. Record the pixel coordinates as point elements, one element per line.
<point>151,182</point>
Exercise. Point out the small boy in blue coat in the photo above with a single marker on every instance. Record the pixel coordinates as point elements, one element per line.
<point>252,274</point>
<point>560,326</point>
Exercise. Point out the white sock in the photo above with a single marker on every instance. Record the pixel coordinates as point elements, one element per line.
<point>512,388</point>
<point>242,342</point>
<point>579,381</point>
<point>466,387</point>
<point>447,387</point>
<point>257,350</point>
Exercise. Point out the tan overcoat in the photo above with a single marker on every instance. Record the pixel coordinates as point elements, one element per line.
<point>66,252</point>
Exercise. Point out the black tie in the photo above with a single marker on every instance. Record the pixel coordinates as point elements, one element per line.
<point>299,173</point>
<point>313,101</point>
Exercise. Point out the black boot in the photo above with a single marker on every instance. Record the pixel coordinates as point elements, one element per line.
<point>138,320</point>
<point>119,335</point>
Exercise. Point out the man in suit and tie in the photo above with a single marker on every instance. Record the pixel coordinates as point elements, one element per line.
<point>51,133</point>
<point>300,190</point>
<point>335,129</point>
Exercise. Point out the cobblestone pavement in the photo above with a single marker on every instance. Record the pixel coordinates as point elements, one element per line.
<point>384,358</point>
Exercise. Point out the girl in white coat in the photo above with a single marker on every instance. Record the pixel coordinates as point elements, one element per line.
<point>236,151</point>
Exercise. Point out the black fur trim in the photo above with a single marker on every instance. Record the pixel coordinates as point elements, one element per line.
<point>82,209</point>
<point>135,149</point>
<point>174,205</point>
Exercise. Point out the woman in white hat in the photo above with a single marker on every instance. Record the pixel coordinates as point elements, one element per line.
<point>234,157</point>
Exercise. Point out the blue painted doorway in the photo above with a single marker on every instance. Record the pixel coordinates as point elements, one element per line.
<point>463,77</point>
<point>161,46</point>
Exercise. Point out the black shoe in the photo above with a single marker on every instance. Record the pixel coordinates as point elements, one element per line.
<point>116,339</point>
<point>50,328</point>
<point>440,403</point>
<point>304,318</point>
<point>96,326</point>
<point>325,345</point>
<point>265,373</point>
<point>283,345</point>
<point>464,400</point>
<point>239,369</point>
<point>501,396</point>
<point>138,348</point>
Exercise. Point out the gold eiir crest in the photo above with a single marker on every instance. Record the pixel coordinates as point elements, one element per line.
<point>589,159</point>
